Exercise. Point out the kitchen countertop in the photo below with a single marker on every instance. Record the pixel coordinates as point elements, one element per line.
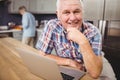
<point>15,30</point>
<point>11,30</point>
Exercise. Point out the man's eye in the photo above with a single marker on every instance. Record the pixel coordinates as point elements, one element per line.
<point>77,11</point>
<point>66,12</point>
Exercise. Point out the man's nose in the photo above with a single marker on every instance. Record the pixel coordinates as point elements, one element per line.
<point>72,16</point>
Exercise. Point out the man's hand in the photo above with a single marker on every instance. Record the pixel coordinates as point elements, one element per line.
<point>75,64</point>
<point>76,36</point>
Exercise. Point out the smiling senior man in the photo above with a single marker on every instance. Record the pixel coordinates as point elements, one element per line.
<point>77,43</point>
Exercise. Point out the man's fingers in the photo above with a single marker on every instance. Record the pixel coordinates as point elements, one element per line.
<point>69,29</point>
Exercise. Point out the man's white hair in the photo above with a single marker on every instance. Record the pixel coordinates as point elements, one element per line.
<point>58,2</point>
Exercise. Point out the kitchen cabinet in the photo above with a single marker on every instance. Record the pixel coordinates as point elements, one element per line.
<point>93,9</point>
<point>17,35</point>
<point>42,6</point>
<point>34,6</point>
<point>39,31</point>
<point>15,4</point>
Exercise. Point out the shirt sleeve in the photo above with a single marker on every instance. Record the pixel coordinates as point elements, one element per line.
<point>25,21</point>
<point>45,42</point>
<point>96,43</point>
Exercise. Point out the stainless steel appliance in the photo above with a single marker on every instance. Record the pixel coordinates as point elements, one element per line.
<point>105,14</point>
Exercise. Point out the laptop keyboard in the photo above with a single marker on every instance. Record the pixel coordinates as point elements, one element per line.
<point>66,77</point>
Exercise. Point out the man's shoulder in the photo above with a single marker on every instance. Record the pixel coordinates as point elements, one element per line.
<point>28,14</point>
<point>53,21</point>
<point>88,25</point>
<point>54,25</point>
<point>90,29</point>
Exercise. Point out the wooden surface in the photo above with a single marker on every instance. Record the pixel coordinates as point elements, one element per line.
<point>11,65</point>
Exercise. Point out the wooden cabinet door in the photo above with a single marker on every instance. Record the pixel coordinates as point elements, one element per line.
<point>15,4</point>
<point>42,6</point>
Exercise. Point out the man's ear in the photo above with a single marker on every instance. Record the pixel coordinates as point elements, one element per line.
<point>57,15</point>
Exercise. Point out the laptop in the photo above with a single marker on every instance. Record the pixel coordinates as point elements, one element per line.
<point>47,68</point>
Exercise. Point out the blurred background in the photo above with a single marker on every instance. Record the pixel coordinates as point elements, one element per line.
<point>105,14</point>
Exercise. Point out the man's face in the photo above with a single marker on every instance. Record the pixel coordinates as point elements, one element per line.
<point>70,13</point>
<point>21,11</point>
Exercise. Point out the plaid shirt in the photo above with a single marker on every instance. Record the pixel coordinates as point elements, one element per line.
<point>54,36</point>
